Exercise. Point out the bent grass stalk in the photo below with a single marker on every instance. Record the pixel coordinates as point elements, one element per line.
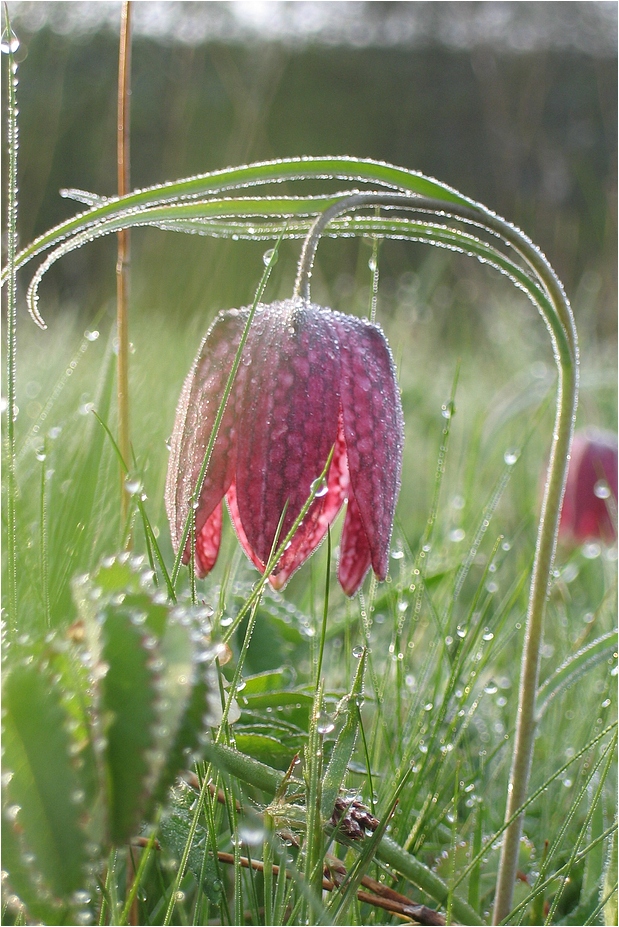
<point>560,323</point>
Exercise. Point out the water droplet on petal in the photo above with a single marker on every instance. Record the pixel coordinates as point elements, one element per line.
<point>591,550</point>
<point>602,489</point>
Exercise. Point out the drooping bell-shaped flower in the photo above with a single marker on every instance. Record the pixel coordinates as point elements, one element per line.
<point>590,502</point>
<point>310,380</point>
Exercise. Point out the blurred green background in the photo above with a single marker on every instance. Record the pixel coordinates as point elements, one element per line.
<point>526,127</point>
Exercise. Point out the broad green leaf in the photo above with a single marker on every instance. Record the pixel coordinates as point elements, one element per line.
<point>44,791</point>
<point>173,833</point>
<point>187,744</point>
<point>265,748</point>
<point>21,880</point>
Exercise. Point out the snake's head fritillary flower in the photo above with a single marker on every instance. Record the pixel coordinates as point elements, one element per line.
<point>590,502</point>
<point>310,380</point>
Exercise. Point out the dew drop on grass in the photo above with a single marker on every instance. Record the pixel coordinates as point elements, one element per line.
<point>91,335</point>
<point>447,410</point>
<point>133,486</point>
<point>251,833</point>
<point>357,652</point>
<point>12,811</point>
<point>324,723</point>
<point>457,535</point>
<point>487,635</point>
<point>269,257</point>
<point>510,457</point>
<point>320,488</point>
<point>81,897</point>
<point>490,688</point>
<point>9,42</point>
<point>397,554</point>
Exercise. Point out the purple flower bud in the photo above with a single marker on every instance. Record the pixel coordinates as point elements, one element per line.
<point>590,502</point>
<point>310,379</point>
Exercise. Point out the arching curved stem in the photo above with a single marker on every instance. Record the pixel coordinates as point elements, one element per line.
<point>560,322</point>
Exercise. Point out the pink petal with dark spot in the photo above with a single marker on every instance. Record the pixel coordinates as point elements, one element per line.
<point>288,421</point>
<point>207,542</point>
<point>235,517</point>
<point>373,430</point>
<point>195,416</point>
<point>315,524</point>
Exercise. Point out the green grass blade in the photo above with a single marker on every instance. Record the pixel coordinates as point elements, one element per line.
<point>574,668</point>
<point>335,773</point>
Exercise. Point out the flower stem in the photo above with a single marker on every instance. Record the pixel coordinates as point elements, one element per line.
<point>555,309</point>
<point>122,263</point>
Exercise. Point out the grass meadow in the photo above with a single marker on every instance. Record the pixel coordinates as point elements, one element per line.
<point>400,702</point>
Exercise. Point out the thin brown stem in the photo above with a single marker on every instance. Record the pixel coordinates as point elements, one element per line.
<point>122,263</point>
<point>390,901</point>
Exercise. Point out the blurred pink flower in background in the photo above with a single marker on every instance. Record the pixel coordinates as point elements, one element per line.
<point>590,503</point>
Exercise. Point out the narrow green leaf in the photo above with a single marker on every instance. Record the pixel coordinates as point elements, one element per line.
<point>335,772</point>
<point>575,667</point>
<point>609,885</point>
